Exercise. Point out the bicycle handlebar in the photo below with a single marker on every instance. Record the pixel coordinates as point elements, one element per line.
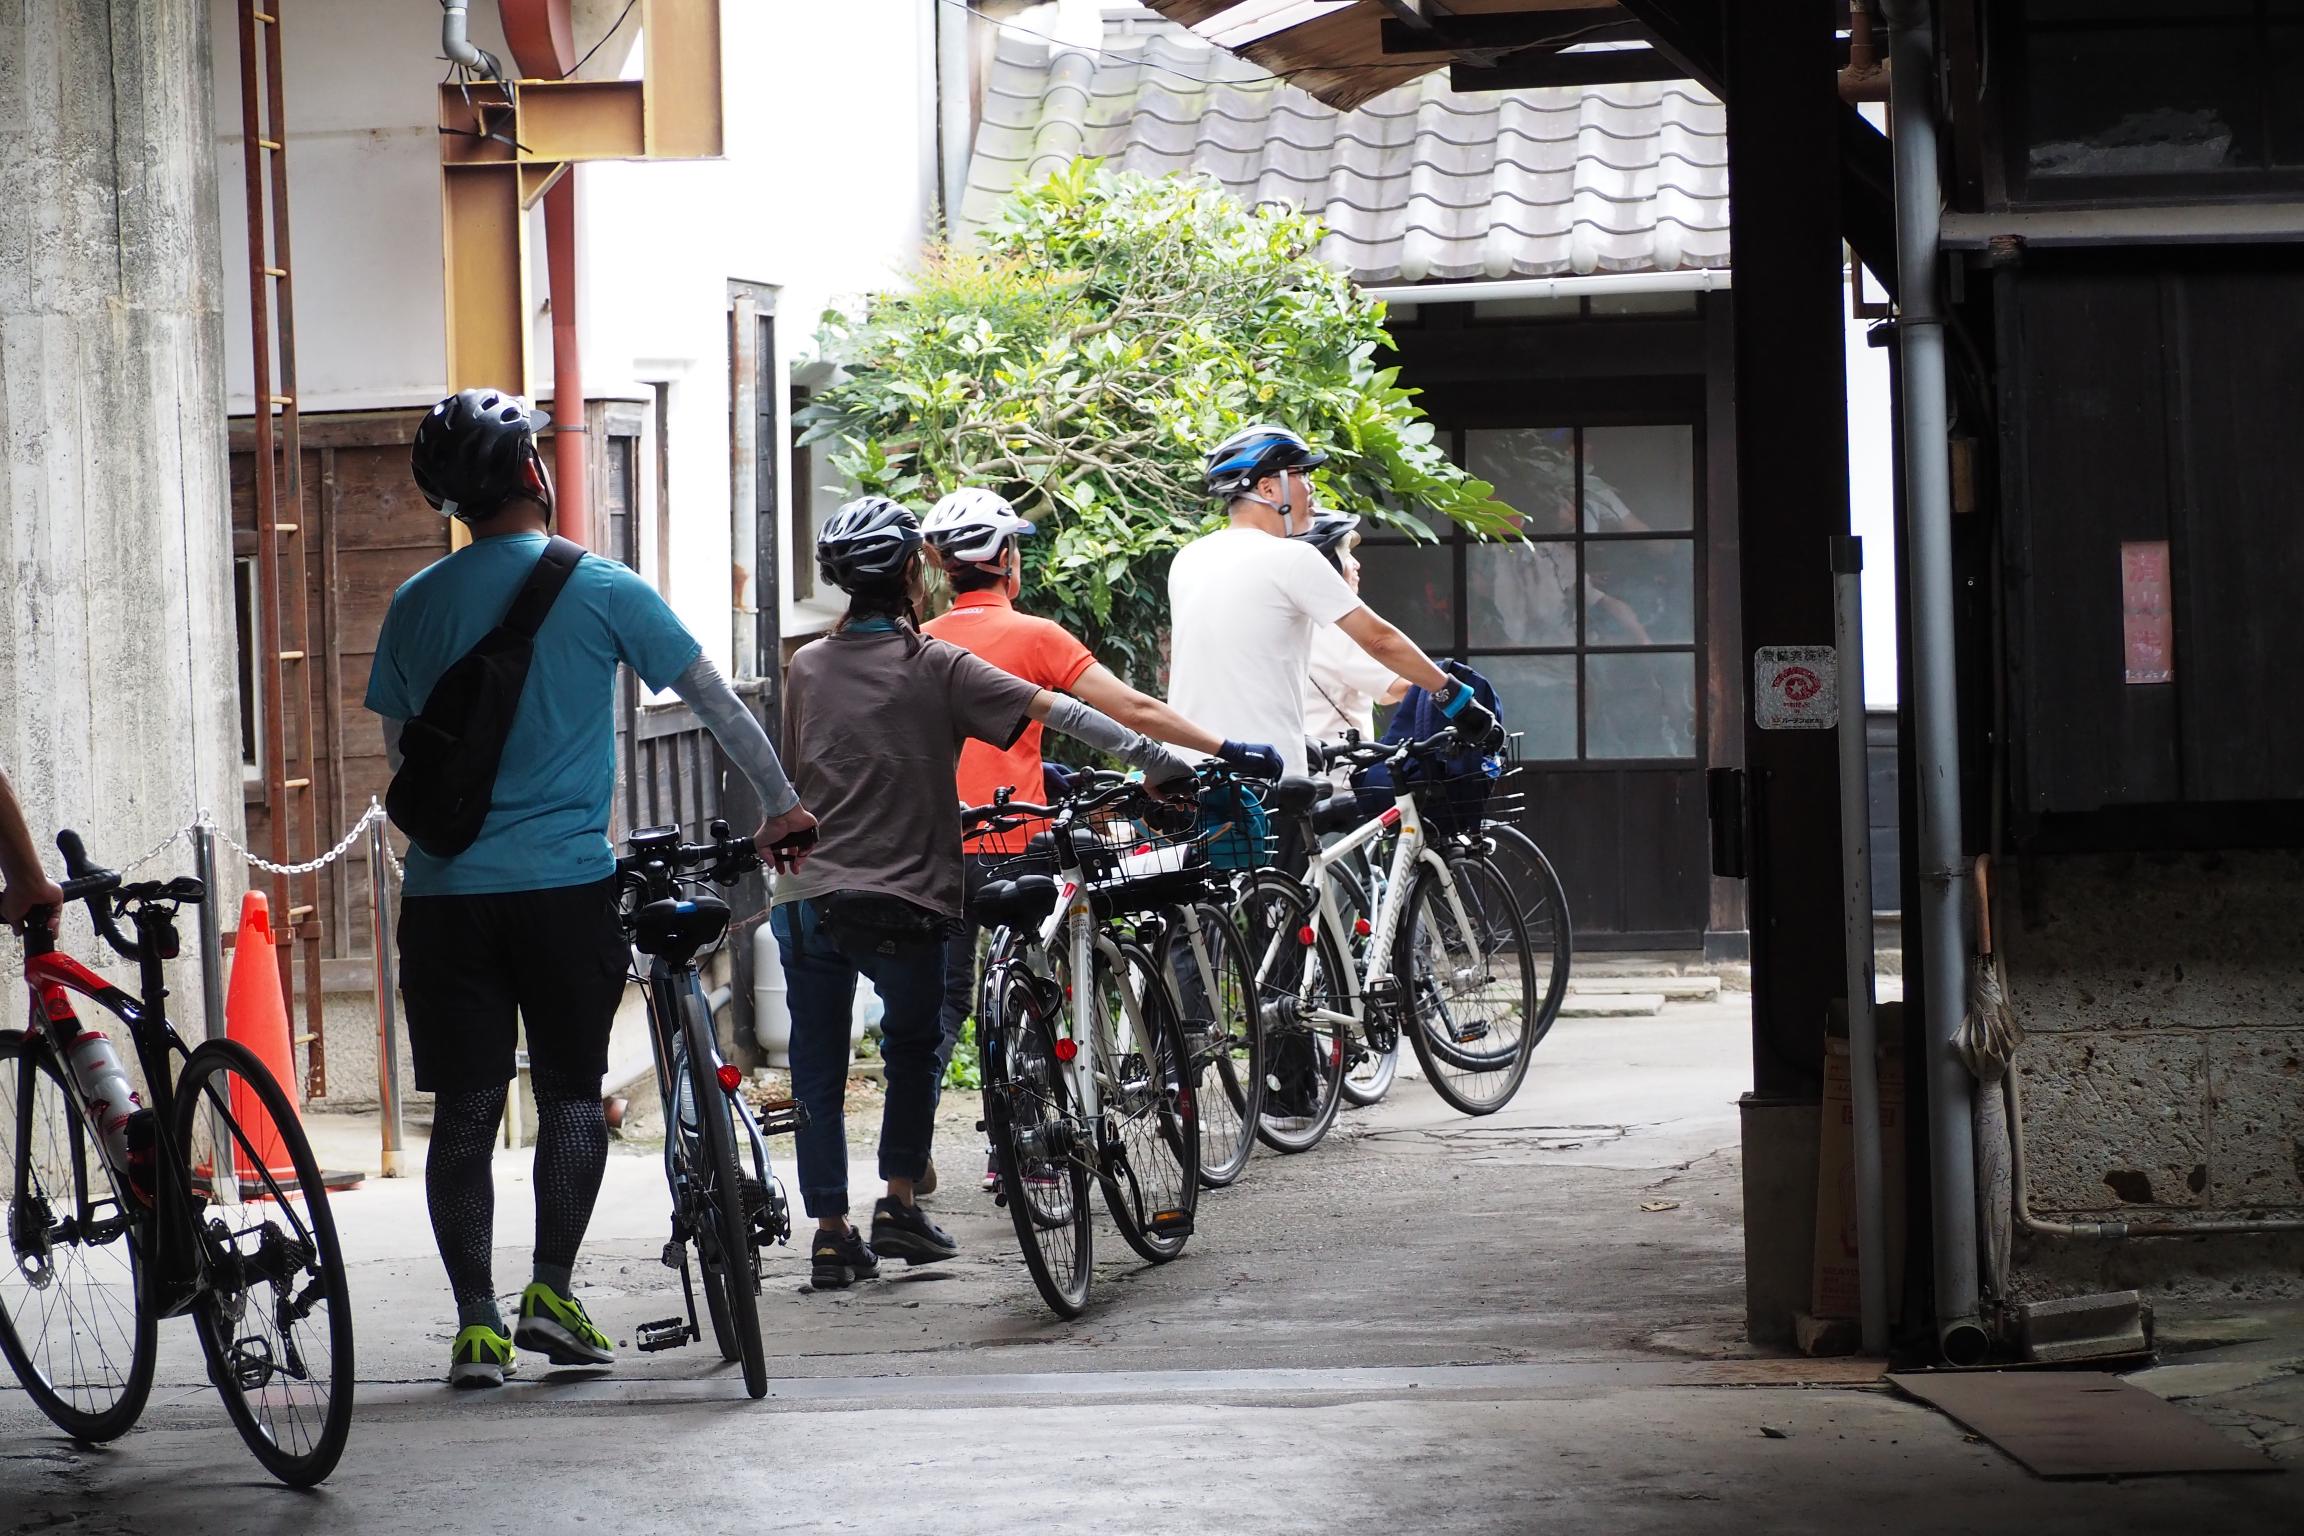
<point>1366,754</point>
<point>1093,790</point>
<point>91,883</point>
<point>723,861</point>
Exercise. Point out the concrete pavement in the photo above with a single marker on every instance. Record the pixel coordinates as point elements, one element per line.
<point>1429,1323</point>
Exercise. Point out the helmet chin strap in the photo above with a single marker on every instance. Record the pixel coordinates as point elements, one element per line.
<point>1286,507</point>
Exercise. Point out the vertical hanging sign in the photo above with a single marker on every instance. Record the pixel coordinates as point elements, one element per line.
<point>2147,615</point>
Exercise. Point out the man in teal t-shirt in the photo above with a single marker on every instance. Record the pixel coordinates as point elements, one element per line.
<point>523,922</point>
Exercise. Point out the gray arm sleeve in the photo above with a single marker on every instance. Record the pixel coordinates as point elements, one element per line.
<point>1105,734</point>
<point>392,730</point>
<point>705,691</point>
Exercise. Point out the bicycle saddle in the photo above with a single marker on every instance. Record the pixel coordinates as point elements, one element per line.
<point>1295,794</point>
<point>1024,900</point>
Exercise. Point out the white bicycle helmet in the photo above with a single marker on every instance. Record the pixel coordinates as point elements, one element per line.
<point>970,526</point>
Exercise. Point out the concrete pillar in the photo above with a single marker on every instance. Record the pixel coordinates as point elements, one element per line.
<point>118,712</point>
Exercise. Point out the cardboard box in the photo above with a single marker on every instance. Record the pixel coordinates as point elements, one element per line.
<point>1836,1293</point>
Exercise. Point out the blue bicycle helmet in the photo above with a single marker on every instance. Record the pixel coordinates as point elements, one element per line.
<point>1248,455</point>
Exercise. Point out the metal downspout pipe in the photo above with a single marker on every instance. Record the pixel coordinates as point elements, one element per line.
<point>1936,752</point>
<point>454,22</point>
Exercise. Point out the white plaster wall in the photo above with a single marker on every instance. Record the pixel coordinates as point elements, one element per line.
<point>826,193</point>
<point>363,197</point>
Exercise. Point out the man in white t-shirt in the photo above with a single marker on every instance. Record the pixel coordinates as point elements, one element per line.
<point>1246,601</point>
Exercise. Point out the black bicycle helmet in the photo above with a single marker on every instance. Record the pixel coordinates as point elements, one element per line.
<point>1329,533</point>
<point>1248,455</point>
<point>471,448</point>
<point>867,543</point>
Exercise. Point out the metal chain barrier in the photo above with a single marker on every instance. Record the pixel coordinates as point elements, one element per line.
<point>157,849</point>
<point>375,812</point>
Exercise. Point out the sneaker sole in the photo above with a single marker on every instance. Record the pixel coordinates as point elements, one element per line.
<point>911,1250</point>
<point>540,1335</point>
<point>470,1375</point>
<point>842,1278</point>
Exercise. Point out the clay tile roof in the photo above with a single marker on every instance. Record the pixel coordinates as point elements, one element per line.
<point>1420,183</point>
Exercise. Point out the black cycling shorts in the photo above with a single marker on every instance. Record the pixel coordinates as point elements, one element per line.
<point>557,958</point>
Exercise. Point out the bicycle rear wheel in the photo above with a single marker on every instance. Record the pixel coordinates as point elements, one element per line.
<point>690,1156</point>
<point>1300,974</point>
<point>1151,1169</point>
<point>1036,1139</point>
<point>727,1244</point>
<point>1467,986</point>
<point>274,1315</point>
<point>1223,1038</point>
<point>1543,904</point>
<point>76,1319</point>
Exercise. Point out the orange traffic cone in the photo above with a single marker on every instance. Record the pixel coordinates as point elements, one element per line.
<point>256,1015</point>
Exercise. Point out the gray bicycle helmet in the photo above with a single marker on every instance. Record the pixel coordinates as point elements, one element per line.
<point>867,543</point>
<point>471,449</point>
<point>1248,455</point>
<point>1329,533</point>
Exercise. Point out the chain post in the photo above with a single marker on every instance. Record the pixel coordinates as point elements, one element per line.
<point>211,929</point>
<point>387,1034</point>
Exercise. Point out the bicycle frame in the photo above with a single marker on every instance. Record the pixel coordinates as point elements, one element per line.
<point>668,988</point>
<point>1408,853</point>
<point>50,977</point>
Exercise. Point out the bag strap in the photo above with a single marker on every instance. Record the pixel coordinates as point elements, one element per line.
<point>542,589</point>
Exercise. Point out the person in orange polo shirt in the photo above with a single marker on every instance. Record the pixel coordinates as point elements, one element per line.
<point>973,535</point>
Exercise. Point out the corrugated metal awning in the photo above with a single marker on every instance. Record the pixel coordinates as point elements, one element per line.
<point>1420,184</point>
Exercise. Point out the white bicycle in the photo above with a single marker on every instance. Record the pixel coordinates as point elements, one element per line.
<point>1447,960</point>
<point>1088,1071</point>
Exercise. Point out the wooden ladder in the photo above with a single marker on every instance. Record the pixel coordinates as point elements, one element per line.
<point>283,670</point>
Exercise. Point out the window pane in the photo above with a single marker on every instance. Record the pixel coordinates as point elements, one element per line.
<point>1640,706</point>
<point>1413,585</point>
<point>1538,694</point>
<point>1534,472</point>
<point>1639,479</point>
<point>1521,593</point>
<point>1640,592</point>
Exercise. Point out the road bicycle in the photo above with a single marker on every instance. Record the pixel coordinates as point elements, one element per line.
<point>1088,1073</point>
<point>1448,963</point>
<point>200,1199</point>
<point>725,1200</point>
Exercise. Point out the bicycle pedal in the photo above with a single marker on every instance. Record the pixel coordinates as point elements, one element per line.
<point>671,1333</point>
<point>1467,1033</point>
<point>783,1117</point>
<point>675,1254</point>
<point>1173,1223</point>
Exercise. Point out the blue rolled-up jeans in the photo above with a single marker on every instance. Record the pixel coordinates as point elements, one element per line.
<point>820,986</point>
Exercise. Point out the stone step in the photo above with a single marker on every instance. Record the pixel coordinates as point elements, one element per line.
<point>1611,1005</point>
<point>1677,989</point>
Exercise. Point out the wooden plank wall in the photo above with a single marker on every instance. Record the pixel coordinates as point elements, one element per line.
<point>372,532</point>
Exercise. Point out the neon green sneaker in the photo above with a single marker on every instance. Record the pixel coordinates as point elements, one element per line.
<point>558,1328</point>
<point>480,1357</point>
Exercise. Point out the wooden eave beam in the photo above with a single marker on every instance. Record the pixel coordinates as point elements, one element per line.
<point>1688,33</point>
<point>1539,68</point>
<point>1509,32</point>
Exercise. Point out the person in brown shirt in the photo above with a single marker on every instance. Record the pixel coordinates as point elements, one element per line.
<point>874,717</point>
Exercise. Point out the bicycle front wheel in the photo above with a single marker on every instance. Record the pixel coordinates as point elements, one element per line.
<point>1151,1164</point>
<point>1036,1138</point>
<point>1468,986</point>
<point>727,1244</point>
<point>1300,982</point>
<point>274,1314</point>
<point>1223,1040</point>
<point>76,1320</point>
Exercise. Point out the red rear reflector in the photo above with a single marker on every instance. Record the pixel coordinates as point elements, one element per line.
<point>1067,1049</point>
<point>731,1079</point>
<point>1360,928</point>
<point>1304,934</point>
<point>1141,849</point>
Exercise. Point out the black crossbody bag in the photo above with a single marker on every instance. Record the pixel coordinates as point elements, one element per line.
<point>450,752</point>
<point>882,924</point>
